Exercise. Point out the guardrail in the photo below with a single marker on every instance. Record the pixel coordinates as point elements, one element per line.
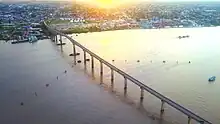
<point>126,76</point>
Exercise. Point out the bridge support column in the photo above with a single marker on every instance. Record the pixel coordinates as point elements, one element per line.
<point>162,106</point>
<point>74,53</point>
<point>61,41</point>
<point>101,72</point>
<point>125,85</point>
<point>112,78</point>
<point>189,120</point>
<point>56,38</point>
<point>52,38</point>
<point>142,94</point>
<point>92,65</point>
<point>84,58</point>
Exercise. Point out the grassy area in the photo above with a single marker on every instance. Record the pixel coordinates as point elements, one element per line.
<point>82,30</point>
<point>94,21</point>
<point>94,29</point>
<point>76,30</point>
<point>57,21</point>
<point>87,29</point>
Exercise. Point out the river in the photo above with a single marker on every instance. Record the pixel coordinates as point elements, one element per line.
<point>189,63</point>
<point>31,92</point>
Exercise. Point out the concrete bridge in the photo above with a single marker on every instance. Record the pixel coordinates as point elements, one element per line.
<point>53,33</point>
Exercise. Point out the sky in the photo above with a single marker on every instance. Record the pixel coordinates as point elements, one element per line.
<point>149,0</point>
<point>114,2</point>
<point>110,3</point>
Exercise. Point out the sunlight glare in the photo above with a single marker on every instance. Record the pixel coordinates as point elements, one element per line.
<point>106,3</point>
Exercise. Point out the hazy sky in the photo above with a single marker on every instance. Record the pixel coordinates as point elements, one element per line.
<point>150,0</point>
<point>115,1</point>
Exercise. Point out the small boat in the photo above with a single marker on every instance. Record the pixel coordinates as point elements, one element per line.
<point>185,36</point>
<point>211,79</point>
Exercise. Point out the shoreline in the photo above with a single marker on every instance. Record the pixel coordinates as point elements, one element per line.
<point>84,31</point>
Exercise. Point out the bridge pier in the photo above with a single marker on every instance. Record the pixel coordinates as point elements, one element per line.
<point>92,65</point>
<point>74,53</point>
<point>162,106</point>
<point>52,38</point>
<point>125,85</point>
<point>142,94</point>
<point>84,58</point>
<point>61,40</point>
<point>101,72</point>
<point>61,43</point>
<point>112,78</point>
<point>56,38</point>
<point>189,120</point>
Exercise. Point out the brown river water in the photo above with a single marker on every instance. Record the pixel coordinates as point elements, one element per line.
<point>189,63</point>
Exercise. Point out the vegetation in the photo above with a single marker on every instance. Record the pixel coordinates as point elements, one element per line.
<point>57,21</point>
<point>6,28</point>
<point>94,21</point>
<point>75,30</point>
<point>5,31</point>
<point>82,30</point>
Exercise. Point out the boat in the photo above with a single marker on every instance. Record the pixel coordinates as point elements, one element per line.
<point>185,36</point>
<point>211,79</point>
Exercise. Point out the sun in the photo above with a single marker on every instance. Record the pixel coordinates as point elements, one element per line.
<point>105,3</point>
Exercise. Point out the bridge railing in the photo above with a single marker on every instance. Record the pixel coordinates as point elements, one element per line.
<point>126,76</point>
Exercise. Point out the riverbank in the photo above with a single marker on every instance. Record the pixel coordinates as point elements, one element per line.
<point>68,28</point>
<point>86,26</point>
<point>93,29</point>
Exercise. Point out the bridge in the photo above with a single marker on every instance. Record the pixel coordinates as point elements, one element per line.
<point>53,33</point>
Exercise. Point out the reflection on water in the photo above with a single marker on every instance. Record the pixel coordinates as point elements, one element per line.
<point>31,92</point>
<point>183,76</point>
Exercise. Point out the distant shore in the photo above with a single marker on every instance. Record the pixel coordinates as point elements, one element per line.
<point>87,30</point>
<point>68,27</point>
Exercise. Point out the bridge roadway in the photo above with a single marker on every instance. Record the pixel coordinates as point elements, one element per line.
<point>71,99</point>
<point>164,99</point>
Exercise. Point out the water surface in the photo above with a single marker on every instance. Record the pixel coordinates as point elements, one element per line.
<point>73,98</point>
<point>184,76</point>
